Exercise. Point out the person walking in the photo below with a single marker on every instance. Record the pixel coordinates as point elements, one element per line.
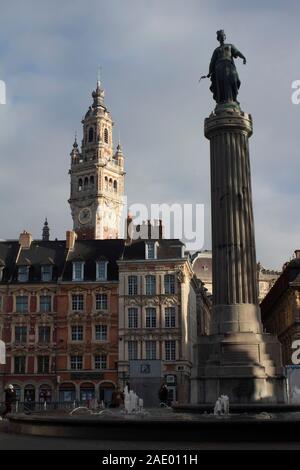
<point>163,395</point>
<point>10,397</point>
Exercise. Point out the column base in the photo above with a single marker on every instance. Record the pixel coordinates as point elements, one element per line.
<point>245,366</point>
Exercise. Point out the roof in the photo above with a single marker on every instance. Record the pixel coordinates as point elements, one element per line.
<point>90,251</point>
<point>166,249</point>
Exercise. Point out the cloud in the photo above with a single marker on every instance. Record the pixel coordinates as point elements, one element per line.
<point>152,54</point>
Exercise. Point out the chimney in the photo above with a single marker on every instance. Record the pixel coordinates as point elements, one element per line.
<point>297,254</point>
<point>129,228</point>
<point>161,229</point>
<point>70,239</point>
<point>25,239</point>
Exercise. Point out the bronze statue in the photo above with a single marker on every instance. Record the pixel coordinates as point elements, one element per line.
<point>225,81</point>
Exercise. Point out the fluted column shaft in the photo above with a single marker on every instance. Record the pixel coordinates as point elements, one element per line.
<point>233,243</point>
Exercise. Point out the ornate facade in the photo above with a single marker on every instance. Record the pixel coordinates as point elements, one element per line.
<point>158,319</point>
<point>280,309</point>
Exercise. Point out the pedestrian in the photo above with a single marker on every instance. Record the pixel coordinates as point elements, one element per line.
<point>10,397</point>
<point>163,394</point>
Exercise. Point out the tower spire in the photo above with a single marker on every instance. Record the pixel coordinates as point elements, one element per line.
<point>46,231</point>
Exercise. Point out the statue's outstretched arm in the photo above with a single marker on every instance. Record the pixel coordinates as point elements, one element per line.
<point>239,54</point>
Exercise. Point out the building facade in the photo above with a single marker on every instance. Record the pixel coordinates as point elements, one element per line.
<point>280,309</point>
<point>59,318</point>
<point>158,317</point>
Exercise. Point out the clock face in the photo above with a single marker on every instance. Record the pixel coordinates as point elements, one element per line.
<point>85,215</point>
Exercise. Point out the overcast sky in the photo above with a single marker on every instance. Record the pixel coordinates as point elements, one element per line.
<point>152,53</point>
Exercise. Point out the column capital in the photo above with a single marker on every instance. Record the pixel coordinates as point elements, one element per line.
<point>228,120</point>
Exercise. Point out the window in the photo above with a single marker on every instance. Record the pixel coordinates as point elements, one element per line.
<point>46,273</point>
<point>45,303</point>
<point>23,273</point>
<point>86,183</point>
<point>150,317</point>
<point>150,285</point>
<point>132,350</point>
<point>106,136</point>
<point>170,317</point>
<point>150,350</point>
<point>132,285</point>
<point>76,362</point>
<point>169,284</point>
<point>77,302</point>
<point>78,270</point>
<point>80,184</point>
<point>132,317</point>
<point>101,301</point>
<point>1,272</point>
<point>106,183</point>
<point>150,250</point>
<point>101,361</point>
<point>92,180</point>
<point>170,350</point>
<point>101,271</point>
<point>1,303</point>
<point>43,364</point>
<point>20,334</point>
<point>115,186</point>
<point>22,303</point>
<point>20,364</point>
<point>101,332</point>
<point>77,333</point>
<point>44,334</point>
<point>91,134</point>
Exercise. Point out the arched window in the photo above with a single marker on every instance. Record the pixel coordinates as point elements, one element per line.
<point>91,134</point>
<point>115,186</point>
<point>86,182</point>
<point>106,183</point>
<point>110,183</point>
<point>92,181</point>
<point>80,184</point>
<point>106,135</point>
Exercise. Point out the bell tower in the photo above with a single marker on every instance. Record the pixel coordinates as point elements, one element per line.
<point>97,175</point>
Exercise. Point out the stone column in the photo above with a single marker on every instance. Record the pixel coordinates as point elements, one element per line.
<point>236,358</point>
<point>234,262</point>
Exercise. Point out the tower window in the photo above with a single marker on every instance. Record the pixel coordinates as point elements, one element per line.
<point>110,184</point>
<point>106,135</point>
<point>80,184</point>
<point>86,182</point>
<point>91,134</point>
<point>92,181</point>
<point>106,183</point>
<point>115,186</point>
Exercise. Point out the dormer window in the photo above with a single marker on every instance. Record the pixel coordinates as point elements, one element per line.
<point>150,250</point>
<point>78,271</point>
<point>46,273</point>
<point>23,272</point>
<point>101,271</point>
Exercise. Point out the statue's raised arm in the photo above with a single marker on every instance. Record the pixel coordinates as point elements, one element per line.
<point>225,81</point>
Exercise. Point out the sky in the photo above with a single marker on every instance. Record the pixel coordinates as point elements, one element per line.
<point>152,53</point>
